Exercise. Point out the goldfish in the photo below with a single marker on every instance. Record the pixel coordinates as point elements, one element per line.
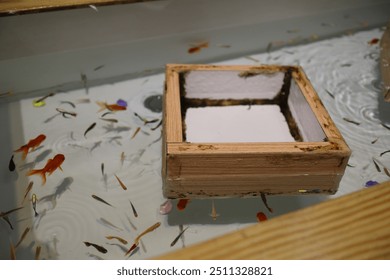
<point>261,217</point>
<point>32,144</point>
<point>181,205</point>
<point>120,239</point>
<point>50,167</point>
<point>197,48</point>
<point>121,183</point>
<point>111,107</point>
<point>138,238</point>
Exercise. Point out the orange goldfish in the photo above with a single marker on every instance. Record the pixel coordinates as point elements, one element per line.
<point>50,167</point>
<point>197,48</point>
<point>111,107</point>
<point>32,144</point>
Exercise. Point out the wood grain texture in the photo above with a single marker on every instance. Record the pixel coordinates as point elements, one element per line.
<point>385,62</point>
<point>355,226</point>
<point>9,7</point>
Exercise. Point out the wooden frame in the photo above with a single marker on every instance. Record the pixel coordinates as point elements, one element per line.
<point>200,170</point>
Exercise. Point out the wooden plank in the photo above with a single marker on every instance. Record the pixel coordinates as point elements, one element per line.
<point>385,63</point>
<point>355,226</point>
<point>172,109</point>
<point>26,6</point>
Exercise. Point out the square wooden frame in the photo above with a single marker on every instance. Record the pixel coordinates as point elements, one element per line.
<point>202,170</point>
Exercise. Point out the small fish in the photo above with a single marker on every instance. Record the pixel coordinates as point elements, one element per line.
<point>376,165</point>
<point>178,237</point>
<point>386,171</point>
<point>101,200</point>
<point>374,141</point>
<point>98,67</point>
<point>5,214</point>
<point>64,113</point>
<point>83,101</point>
<point>84,80</point>
<point>385,152</point>
<point>269,47</point>
<point>5,218</point>
<point>157,126</point>
<point>22,237</point>
<point>111,107</point>
<point>197,48</point>
<point>138,238</point>
<point>133,208</point>
<point>70,103</point>
<point>89,129</point>
<point>102,168</point>
<point>50,167</point>
<point>261,217</point>
<point>12,252</point>
<point>37,252</point>
<point>264,198</point>
<point>4,94</point>
<point>373,41</point>
<point>330,94</point>
<point>11,165</point>
<point>109,120</point>
<point>252,58</point>
<point>123,157</point>
<point>121,183</point>
<point>28,189</point>
<point>101,249</point>
<point>34,203</point>
<point>349,165</point>
<point>182,204</point>
<point>120,239</point>
<point>136,132</point>
<point>351,121</point>
<point>385,126</point>
<point>107,113</point>
<point>166,207</point>
<point>43,98</point>
<point>32,144</point>
<point>145,120</point>
<point>214,215</point>
<point>104,221</point>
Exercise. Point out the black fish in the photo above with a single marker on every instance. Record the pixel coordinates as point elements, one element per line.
<point>101,249</point>
<point>376,166</point>
<point>385,152</point>
<point>101,200</point>
<point>351,121</point>
<point>89,129</point>
<point>43,98</point>
<point>133,208</point>
<point>11,165</point>
<point>265,202</point>
<point>178,237</point>
<point>102,168</point>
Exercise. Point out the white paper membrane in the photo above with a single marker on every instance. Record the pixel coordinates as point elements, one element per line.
<point>259,123</point>
<point>228,84</point>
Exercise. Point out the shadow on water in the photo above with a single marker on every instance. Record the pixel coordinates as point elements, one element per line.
<point>238,210</point>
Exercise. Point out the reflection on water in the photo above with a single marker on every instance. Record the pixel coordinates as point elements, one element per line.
<point>344,71</point>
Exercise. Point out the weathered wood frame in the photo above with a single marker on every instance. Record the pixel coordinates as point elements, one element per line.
<point>200,170</point>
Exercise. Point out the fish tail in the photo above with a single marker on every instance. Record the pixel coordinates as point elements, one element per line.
<point>102,106</point>
<point>40,172</point>
<point>24,149</point>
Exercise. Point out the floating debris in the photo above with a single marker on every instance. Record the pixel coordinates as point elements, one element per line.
<point>166,207</point>
<point>178,237</point>
<point>371,183</point>
<point>121,102</point>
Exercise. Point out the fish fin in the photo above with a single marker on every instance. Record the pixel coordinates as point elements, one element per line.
<point>24,150</point>
<point>40,172</point>
<point>102,106</point>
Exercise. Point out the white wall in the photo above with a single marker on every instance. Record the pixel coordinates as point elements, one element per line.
<point>49,51</point>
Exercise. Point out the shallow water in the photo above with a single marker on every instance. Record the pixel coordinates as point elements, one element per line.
<point>344,71</point>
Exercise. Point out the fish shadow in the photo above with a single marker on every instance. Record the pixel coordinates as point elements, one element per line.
<point>60,189</point>
<point>39,158</point>
<point>118,129</point>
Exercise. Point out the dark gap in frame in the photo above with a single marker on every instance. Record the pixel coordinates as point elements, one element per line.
<point>281,99</point>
